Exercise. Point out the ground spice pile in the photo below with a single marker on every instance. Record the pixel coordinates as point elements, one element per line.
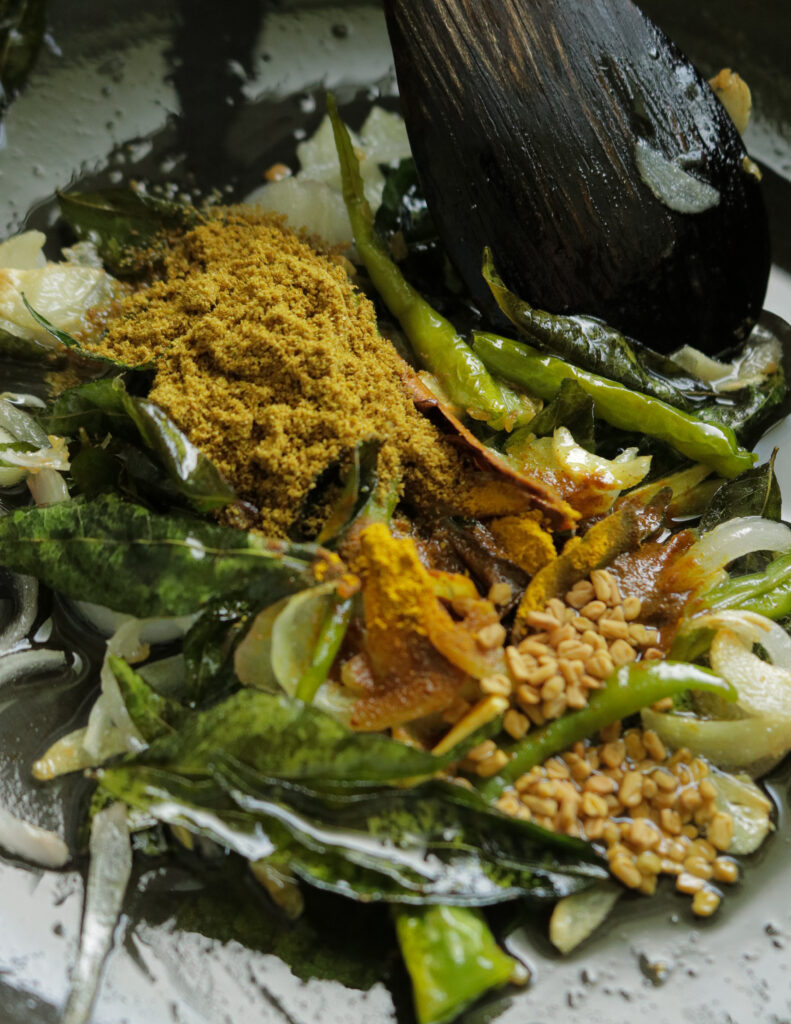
<point>270,361</point>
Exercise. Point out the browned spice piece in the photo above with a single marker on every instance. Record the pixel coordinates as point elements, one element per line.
<point>271,362</point>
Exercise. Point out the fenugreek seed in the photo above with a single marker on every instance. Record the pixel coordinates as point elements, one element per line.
<point>690,799</point>
<point>612,754</point>
<point>720,830</point>
<point>698,866</point>
<point>576,697</point>
<point>565,632</point>
<point>540,804</point>
<point>534,714</point>
<point>626,871</point>
<point>517,666</point>
<point>632,606</point>
<point>553,687</point>
<point>483,750</point>
<point>580,771</point>
<point>642,834</point>
<point>613,629</point>
<point>671,867</point>
<point>630,792</point>
<point>525,813</point>
<point>581,624</point>
<point>594,828</point>
<point>556,768</point>
<point>541,620</point>
<point>515,724</point>
<point>552,709</point>
<point>665,780</point>
<point>690,831</point>
<point>573,649</point>
<point>655,748</point>
<point>649,788</point>
<point>689,884</point>
<point>594,806</point>
<point>524,782</point>
<point>594,610</point>
<point>557,608</point>
<point>648,862</point>
<point>681,756</point>
<point>546,787</point>
<point>492,765</point>
<point>665,704</point>
<point>699,768</point>
<point>702,848</point>
<point>589,682</point>
<point>682,773</point>
<point>491,636</point>
<point>579,594</point>
<point>617,849</point>
<point>648,885</point>
<point>500,593</point>
<point>601,784</point>
<point>527,696</point>
<point>611,832</point>
<point>725,870</point>
<point>539,675</point>
<point>508,803</point>
<point>670,821</point>
<point>497,684</point>
<point>655,654</point>
<point>600,665</point>
<point>705,902</point>
<point>707,790</point>
<point>571,671</point>
<point>532,647</point>
<point>622,652</point>
<point>639,635</point>
<point>602,584</point>
<point>610,732</point>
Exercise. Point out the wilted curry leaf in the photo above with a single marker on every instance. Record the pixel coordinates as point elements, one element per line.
<point>118,554</point>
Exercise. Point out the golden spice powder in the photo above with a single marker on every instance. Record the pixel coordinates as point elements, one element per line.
<point>270,360</point>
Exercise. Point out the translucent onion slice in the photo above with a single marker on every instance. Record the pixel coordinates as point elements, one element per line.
<point>48,487</point>
<point>751,628</point>
<point>34,844</point>
<point>734,539</point>
<point>749,807</point>
<point>28,663</point>
<point>764,690</point>
<point>108,877</point>
<point>576,917</point>
<point>25,596</point>
<point>627,470</point>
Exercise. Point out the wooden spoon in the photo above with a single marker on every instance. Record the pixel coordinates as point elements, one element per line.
<point>573,138</point>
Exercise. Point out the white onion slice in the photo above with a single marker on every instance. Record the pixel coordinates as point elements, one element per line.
<point>108,877</point>
<point>752,628</point>
<point>27,663</point>
<point>152,631</point>
<point>34,844</point>
<point>724,544</point>
<point>764,690</point>
<point>48,487</point>
<point>26,601</point>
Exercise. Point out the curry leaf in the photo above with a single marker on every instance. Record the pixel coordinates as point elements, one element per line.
<point>755,493</point>
<point>105,407</point>
<point>152,714</point>
<point>209,648</point>
<point>572,408</point>
<point>124,224</point>
<point>22,25</point>
<point>118,554</point>
<point>287,739</point>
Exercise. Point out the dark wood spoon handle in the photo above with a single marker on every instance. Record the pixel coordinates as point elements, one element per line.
<point>577,141</point>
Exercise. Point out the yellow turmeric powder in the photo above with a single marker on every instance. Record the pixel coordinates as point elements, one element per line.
<point>528,545</point>
<point>271,362</point>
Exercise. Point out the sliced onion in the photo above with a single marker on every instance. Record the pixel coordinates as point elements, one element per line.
<point>152,631</point>
<point>48,487</point>
<point>749,807</point>
<point>25,596</point>
<point>764,690</point>
<point>108,877</point>
<point>35,844</point>
<point>576,917</point>
<point>627,470</point>
<point>28,663</point>
<point>727,542</point>
<point>751,627</point>
<point>21,424</point>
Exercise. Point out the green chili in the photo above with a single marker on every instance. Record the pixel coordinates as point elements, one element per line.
<point>333,630</point>
<point>436,342</point>
<point>452,958</point>
<point>543,375</point>
<point>627,690</point>
<point>767,593</point>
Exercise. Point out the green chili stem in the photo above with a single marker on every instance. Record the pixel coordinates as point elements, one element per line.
<point>436,342</point>
<point>627,690</point>
<point>333,630</point>
<point>452,958</point>
<point>542,375</point>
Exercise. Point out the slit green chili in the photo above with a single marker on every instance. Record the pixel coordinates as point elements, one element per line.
<point>627,410</point>
<point>438,345</point>
<point>767,593</point>
<point>625,692</point>
<point>452,959</point>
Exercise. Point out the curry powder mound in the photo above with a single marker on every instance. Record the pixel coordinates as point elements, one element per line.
<point>270,361</point>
